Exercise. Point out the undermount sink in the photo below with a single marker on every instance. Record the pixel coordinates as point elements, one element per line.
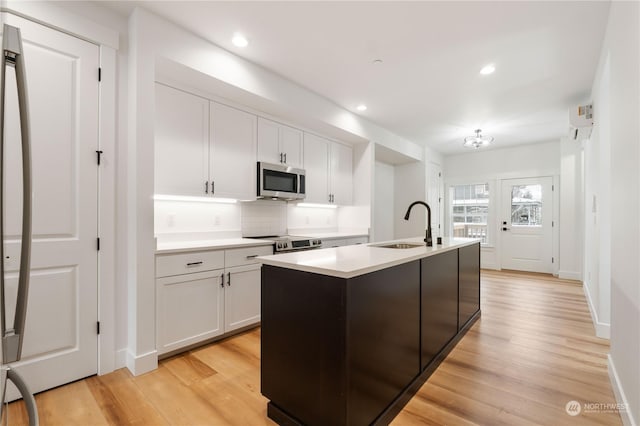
<point>400,245</point>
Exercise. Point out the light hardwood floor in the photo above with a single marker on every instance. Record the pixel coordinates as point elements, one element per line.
<point>532,351</point>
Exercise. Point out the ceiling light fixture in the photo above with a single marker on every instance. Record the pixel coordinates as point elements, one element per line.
<point>239,40</point>
<point>477,141</point>
<point>488,69</point>
<point>361,107</point>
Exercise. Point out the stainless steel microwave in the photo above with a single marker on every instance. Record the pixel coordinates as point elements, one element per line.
<point>280,181</point>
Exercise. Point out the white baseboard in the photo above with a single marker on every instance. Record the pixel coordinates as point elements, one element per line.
<point>603,329</point>
<point>491,266</point>
<point>570,275</point>
<point>121,358</point>
<point>142,363</point>
<point>621,398</point>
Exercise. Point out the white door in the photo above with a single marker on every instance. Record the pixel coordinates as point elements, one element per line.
<point>181,143</point>
<point>526,224</point>
<point>232,148</point>
<point>60,340</point>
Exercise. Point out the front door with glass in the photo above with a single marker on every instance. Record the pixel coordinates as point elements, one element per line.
<point>526,224</point>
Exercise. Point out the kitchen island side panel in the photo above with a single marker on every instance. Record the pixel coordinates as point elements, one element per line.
<point>439,303</point>
<point>383,339</point>
<point>469,283</point>
<point>303,344</point>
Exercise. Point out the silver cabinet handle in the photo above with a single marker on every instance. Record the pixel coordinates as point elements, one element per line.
<point>190,264</point>
<point>229,279</point>
<point>12,55</point>
<point>253,256</point>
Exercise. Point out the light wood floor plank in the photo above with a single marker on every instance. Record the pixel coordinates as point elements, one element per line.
<point>533,350</point>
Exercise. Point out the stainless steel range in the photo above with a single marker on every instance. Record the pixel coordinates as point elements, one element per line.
<point>288,243</point>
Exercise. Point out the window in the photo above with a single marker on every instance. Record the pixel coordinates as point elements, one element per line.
<point>469,211</point>
<point>526,205</point>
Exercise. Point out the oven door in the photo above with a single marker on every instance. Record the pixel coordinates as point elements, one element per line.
<point>279,181</point>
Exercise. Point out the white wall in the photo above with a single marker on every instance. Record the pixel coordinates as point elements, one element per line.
<point>383,212</point>
<point>491,166</point>
<point>619,69</point>
<point>409,186</point>
<point>570,224</point>
<point>597,205</point>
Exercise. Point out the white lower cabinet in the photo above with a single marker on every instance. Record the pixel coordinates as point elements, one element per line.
<point>242,297</point>
<point>192,307</point>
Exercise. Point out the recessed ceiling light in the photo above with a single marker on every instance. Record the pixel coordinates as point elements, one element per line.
<point>488,69</point>
<point>361,107</point>
<point>239,40</point>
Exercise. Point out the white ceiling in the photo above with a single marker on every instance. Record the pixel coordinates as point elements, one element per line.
<point>428,88</point>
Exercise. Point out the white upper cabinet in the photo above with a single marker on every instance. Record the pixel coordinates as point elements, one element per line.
<point>341,173</point>
<point>232,170</point>
<point>329,171</point>
<point>279,144</point>
<point>203,148</point>
<point>181,142</point>
<point>316,161</point>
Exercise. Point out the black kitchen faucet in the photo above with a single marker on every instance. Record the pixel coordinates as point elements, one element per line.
<point>427,238</point>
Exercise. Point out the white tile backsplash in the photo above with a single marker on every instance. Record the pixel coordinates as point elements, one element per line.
<point>264,217</point>
<point>173,217</point>
<point>311,217</point>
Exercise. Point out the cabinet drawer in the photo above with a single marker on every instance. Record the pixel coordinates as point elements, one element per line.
<point>245,256</point>
<point>187,263</point>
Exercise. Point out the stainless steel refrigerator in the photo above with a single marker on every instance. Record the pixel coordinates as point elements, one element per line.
<point>12,60</point>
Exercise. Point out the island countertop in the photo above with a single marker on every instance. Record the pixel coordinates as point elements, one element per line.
<point>356,260</point>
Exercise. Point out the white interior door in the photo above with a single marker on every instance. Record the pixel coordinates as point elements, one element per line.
<point>60,340</point>
<point>526,224</point>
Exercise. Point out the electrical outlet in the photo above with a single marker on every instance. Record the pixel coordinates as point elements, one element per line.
<point>216,220</point>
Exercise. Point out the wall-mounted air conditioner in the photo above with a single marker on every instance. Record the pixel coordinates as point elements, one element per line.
<point>580,122</point>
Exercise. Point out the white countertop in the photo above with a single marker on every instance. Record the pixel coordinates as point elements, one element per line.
<point>167,247</point>
<point>352,261</point>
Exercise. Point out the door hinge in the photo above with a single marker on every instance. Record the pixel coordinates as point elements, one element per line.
<point>98,243</point>
<point>99,152</point>
<point>97,327</point>
<point>552,260</point>
<point>553,187</point>
<point>439,174</point>
<point>99,74</point>
<point>552,224</point>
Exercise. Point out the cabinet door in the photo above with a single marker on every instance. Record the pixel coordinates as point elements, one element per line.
<point>469,283</point>
<point>268,141</point>
<point>439,303</point>
<point>291,146</point>
<point>242,297</point>
<point>190,309</point>
<point>233,152</point>
<point>181,142</point>
<point>316,163</point>
<point>341,174</point>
